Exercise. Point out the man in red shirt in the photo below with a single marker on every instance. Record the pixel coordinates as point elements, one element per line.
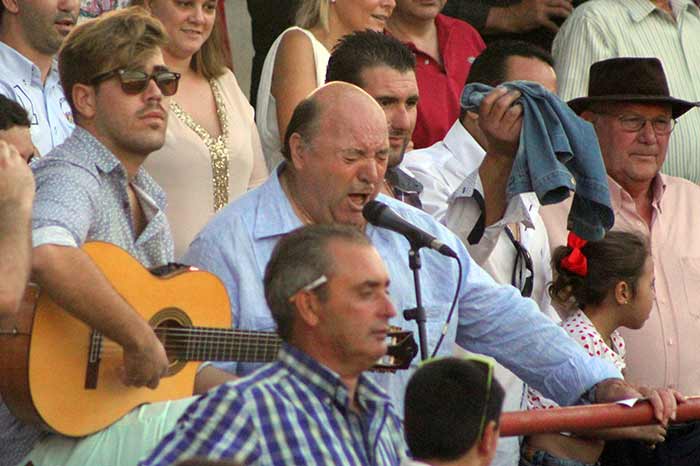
<point>445,49</point>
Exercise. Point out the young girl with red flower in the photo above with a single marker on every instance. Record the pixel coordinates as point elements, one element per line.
<point>611,281</point>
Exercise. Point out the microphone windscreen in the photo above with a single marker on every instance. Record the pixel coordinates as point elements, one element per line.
<point>372,210</point>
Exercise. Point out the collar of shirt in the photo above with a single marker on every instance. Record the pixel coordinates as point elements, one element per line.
<point>590,330</point>
<point>619,197</point>
<point>519,209</point>
<point>402,181</point>
<point>450,50</point>
<point>444,28</point>
<point>13,62</point>
<point>640,9</point>
<point>326,383</point>
<point>466,151</point>
<point>275,214</point>
<point>96,155</point>
<point>458,154</point>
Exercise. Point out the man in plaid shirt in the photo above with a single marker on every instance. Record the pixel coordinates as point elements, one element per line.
<point>313,406</point>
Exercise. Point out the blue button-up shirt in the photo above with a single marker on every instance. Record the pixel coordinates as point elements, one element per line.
<point>291,412</point>
<point>491,319</point>
<point>48,109</point>
<point>81,195</point>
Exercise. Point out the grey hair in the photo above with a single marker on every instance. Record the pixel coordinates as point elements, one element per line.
<point>298,259</point>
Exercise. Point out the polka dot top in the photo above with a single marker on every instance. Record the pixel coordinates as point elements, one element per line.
<point>580,328</point>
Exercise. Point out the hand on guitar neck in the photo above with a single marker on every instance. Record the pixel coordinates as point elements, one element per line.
<point>73,281</point>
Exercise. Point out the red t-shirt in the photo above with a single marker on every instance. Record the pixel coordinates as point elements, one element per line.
<point>440,86</point>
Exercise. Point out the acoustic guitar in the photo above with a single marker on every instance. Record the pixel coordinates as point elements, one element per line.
<point>58,373</point>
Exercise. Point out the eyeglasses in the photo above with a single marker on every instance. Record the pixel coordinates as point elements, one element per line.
<point>634,123</point>
<point>311,286</point>
<point>523,276</point>
<point>135,82</point>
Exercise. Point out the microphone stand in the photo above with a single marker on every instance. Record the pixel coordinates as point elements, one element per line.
<point>418,312</point>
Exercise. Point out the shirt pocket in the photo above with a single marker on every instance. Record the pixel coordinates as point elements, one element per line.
<point>690,273</point>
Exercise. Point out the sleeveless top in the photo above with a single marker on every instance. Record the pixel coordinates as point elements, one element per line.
<point>266,108</point>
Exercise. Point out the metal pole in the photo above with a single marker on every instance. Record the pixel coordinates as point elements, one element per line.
<point>580,418</point>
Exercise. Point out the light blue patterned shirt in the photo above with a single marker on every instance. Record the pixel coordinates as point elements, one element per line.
<point>491,319</point>
<point>48,109</point>
<point>291,412</point>
<point>82,196</point>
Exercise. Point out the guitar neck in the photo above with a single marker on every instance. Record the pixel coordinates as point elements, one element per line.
<point>215,344</point>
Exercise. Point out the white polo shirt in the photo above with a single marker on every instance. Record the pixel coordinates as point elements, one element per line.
<point>49,112</point>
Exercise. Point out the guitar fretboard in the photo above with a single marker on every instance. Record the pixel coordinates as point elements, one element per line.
<point>212,344</point>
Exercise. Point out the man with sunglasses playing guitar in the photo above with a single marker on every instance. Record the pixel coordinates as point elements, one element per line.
<point>92,188</point>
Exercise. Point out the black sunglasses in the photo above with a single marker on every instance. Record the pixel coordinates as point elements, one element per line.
<point>522,268</point>
<point>135,82</point>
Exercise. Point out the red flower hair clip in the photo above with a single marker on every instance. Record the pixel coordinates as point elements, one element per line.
<point>576,261</point>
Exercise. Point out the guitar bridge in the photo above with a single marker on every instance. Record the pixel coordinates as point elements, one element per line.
<point>94,358</point>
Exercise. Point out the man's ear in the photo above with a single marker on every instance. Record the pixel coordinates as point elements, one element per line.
<point>11,5</point>
<point>308,306</point>
<point>488,442</point>
<point>84,100</point>
<point>297,150</point>
<point>588,115</point>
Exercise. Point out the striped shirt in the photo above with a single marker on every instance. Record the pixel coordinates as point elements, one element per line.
<point>604,29</point>
<point>291,412</point>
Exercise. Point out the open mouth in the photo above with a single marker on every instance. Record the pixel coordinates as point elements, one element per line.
<point>358,200</point>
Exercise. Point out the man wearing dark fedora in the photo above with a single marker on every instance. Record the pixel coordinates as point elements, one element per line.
<point>634,115</point>
<point>666,29</point>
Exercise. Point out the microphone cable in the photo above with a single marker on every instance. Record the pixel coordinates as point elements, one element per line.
<point>446,325</point>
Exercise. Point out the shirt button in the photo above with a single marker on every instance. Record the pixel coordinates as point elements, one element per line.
<point>427,61</point>
<point>670,342</point>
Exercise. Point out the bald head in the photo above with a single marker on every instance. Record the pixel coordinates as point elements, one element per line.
<point>346,99</point>
<point>334,101</point>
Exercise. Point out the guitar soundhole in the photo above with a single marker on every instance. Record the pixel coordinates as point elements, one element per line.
<point>171,326</point>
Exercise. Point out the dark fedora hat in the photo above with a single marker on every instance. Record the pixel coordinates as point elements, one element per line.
<point>629,79</point>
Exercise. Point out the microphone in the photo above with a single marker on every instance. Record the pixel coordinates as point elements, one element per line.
<point>380,215</point>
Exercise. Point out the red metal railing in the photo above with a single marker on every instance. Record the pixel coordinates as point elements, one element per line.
<point>578,418</point>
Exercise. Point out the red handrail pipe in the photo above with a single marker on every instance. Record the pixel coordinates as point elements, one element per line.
<point>581,418</point>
